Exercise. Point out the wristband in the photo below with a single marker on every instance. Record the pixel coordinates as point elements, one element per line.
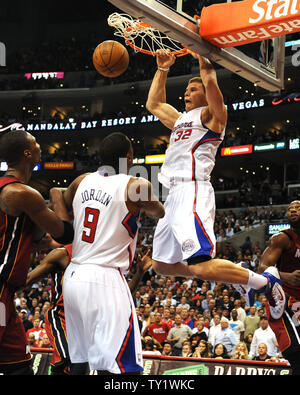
<point>67,236</point>
<point>163,69</point>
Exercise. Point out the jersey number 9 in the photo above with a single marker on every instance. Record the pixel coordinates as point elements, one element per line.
<point>90,222</point>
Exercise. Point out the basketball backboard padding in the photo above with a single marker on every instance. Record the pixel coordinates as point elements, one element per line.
<point>186,31</point>
<point>244,22</point>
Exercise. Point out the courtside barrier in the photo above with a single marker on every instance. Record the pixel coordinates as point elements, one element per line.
<point>163,365</point>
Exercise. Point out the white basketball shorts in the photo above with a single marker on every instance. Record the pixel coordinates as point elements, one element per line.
<point>187,229</point>
<point>101,322</point>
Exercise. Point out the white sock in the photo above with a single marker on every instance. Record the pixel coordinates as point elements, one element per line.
<point>256,281</point>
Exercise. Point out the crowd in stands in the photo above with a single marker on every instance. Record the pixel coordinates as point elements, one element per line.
<point>180,316</point>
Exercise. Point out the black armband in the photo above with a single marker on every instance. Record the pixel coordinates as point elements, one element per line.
<point>67,236</point>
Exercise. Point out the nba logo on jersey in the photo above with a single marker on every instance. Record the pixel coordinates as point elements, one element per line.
<point>188,245</point>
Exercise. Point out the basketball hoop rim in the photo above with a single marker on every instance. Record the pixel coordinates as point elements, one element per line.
<point>181,52</point>
<point>138,25</point>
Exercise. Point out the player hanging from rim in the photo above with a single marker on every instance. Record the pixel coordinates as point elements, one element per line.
<point>55,264</point>
<point>283,251</point>
<point>24,217</point>
<point>186,231</point>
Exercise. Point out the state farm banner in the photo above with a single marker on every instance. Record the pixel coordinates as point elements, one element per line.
<point>59,165</point>
<point>160,365</point>
<point>244,22</point>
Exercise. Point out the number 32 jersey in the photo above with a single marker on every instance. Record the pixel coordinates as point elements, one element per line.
<point>105,231</point>
<point>192,150</point>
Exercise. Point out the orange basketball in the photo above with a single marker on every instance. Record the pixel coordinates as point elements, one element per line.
<point>110,58</point>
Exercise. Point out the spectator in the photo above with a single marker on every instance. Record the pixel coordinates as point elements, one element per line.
<point>236,325</point>
<point>27,324</point>
<point>186,319</point>
<point>183,303</point>
<point>167,349</point>
<point>262,354</point>
<point>264,334</point>
<point>240,311</point>
<point>145,317</point>
<point>201,332</point>
<point>226,336</point>
<point>36,330</point>
<point>158,329</point>
<point>202,350</point>
<point>150,347</point>
<point>166,317</point>
<point>220,352</point>
<point>248,341</point>
<point>251,322</point>
<point>240,351</point>
<point>44,342</point>
<point>31,340</point>
<point>34,304</point>
<point>214,329</point>
<point>178,334</point>
<point>169,297</point>
<point>186,350</point>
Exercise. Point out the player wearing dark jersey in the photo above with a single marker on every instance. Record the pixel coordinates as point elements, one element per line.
<point>23,214</point>
<point>284,252</point>
<point>55,263</point>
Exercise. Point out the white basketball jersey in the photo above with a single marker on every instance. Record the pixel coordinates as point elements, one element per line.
<point>191,152</point>
<point>105,231</point>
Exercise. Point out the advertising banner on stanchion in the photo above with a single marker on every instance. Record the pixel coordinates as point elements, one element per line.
<point>161,365</point>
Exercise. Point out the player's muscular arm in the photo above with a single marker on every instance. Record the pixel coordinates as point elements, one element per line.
<point>62,196</point>
<point>57,259</point>
<point>141,198</point>
<point>278,244</point>
<point>20,198</point>
<point>271,255</point>
<point>214,97</point>
<point>156,102</point>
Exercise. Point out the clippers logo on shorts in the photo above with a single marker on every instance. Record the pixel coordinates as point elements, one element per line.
<point>188,245</point>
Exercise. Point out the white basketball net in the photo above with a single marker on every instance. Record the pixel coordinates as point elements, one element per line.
<point>142,37</point>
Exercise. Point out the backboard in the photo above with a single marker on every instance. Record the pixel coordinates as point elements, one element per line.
<point>181,26</point>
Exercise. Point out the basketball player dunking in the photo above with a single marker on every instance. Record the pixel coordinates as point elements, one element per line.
<point>284,252</point>
<point>186,231</point>
<point>102,326</point>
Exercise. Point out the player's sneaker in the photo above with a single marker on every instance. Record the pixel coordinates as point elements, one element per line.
<point>244,290</point>
<point>247,292</point>
<point>274,292</point>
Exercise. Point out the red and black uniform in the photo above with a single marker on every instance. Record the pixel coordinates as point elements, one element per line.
<point>287,328</point>
<point>56,324</point>
<point>16,242</point>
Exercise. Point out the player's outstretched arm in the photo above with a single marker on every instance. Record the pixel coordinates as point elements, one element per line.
<point>57,259</point>
<point>214,95</point>
<point>140,197</point>
<point>157,102</point>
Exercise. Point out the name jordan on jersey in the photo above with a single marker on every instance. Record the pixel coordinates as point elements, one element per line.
<point>99,196</point>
